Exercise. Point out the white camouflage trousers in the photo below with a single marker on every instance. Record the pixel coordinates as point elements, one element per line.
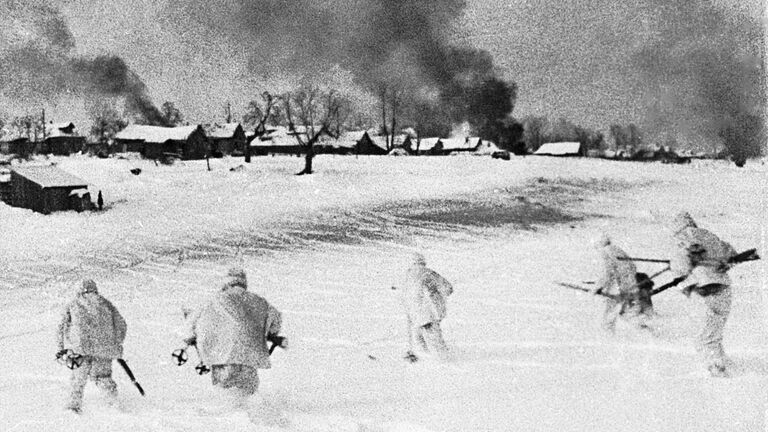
<point>243,377</point>
<point>631,311</point>
<point>99,370</point>
<point>709,342</point>
<point>429,338</point>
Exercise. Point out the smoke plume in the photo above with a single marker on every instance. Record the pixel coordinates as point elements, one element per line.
<point>37,63</point>
<point>398,45</point>
<point>705,77</point>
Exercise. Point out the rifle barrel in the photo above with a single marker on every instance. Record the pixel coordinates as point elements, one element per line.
<point>653,260</point>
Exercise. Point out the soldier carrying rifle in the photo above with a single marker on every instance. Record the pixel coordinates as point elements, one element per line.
<point>626,292</point>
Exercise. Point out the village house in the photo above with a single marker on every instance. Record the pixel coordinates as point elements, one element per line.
<point>370,144</point>
<point>226,139</point>
<point>458,145</point>
<point>484,147</point>
<point>46,189</point>
<point>345,144</point>
<point>19,146</point>
<point>157,142</point>
<point>62,139</point>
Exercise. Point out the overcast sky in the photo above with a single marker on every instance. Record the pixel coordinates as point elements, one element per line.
<point>569,58</point>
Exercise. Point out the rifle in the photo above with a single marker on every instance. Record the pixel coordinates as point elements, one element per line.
<point>587,290</point>
<point>747,255</point>
<point>130,375</point>
<point>667,286</point>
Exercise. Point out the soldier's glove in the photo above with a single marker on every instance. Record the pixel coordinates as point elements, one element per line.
<point>722,267</point>
<point>687,290</point>
<point>411,357</point>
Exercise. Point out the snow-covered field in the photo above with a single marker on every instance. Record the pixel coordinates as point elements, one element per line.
<point>527,354</point>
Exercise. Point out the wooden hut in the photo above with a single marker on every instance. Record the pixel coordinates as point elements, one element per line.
<point>45,189</point>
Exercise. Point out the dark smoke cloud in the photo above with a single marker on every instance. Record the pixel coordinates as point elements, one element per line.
<point>677,69</point>
<point>110,76</point>
<point>392,43</point>
<point>37,63</point>
<point>705,76</point>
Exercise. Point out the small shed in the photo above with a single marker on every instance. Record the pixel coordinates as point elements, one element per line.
<point>226,139</point>
<point>44,189</point>
<point>154,142</point>
<point>559,149</point>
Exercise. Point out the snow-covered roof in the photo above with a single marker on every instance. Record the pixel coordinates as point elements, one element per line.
<point>559,149</point>
<point>49,176</point>
<point>276,136</point>
<point>379,141</point>
<point>457,144</point>
<point>425,144</point>
<point>222,131</point>
<point>347,140</point>
<point>79,192</point>
<point>10,136</point>
<point>352,136</point>
<point>155,134</point>
<point>56,130</point>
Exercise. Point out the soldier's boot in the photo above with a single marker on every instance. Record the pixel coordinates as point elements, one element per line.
<point>718,371</point>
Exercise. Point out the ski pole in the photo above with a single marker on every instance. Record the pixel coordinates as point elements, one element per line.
<point>201,368</point>
<point>69,358</point>
<point>130,375</point>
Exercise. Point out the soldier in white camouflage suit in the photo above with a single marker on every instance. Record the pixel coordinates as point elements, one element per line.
<point>231,333</point>
<point>618,279</point>
<point>424,294</point>
<point>92,327</point>
<point>702,262</point>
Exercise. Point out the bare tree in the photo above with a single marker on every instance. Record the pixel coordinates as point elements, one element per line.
<point>106,123</point>
<point>534,132</point>
<point>259,114</point>
<point>171,115</point>
<point>29,126</point>
<point>312,113</point>
<point>393,95</point>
